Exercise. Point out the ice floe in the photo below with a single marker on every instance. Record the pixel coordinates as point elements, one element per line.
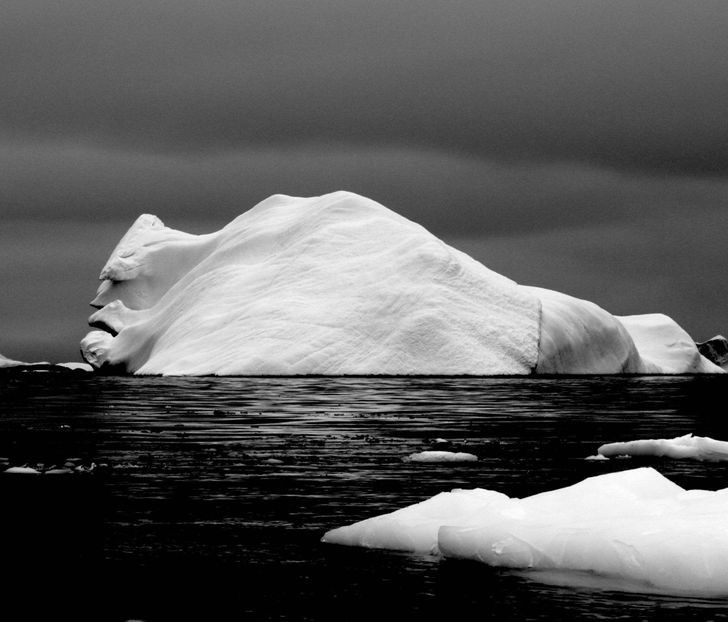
<point>441,456</point>
<point>634,526</point>
<point>688,446</point>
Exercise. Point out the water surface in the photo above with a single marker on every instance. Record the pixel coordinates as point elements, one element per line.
<point>211,494</point>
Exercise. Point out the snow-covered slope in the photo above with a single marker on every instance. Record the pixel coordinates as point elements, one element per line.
<point>340,284</point>
<point>634,526</point>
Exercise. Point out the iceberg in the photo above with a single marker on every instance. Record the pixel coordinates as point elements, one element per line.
<point>635,528</point>
<point>701,448</point>
<point>341,285</point>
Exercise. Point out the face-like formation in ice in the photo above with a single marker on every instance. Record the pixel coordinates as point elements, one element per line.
<point>340,284</point>
<point>634,526</point>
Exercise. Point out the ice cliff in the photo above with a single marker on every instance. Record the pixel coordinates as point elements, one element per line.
<point>340,284</point>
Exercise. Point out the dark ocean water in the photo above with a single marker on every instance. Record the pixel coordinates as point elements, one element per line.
<point>210,495</point>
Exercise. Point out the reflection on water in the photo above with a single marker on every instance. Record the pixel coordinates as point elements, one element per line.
<point>212,494</point>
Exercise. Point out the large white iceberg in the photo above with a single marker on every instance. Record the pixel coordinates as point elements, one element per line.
<point>340,284</point>
<point>634,526</point>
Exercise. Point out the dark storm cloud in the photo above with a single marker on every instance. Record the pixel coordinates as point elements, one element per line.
<point>633,85</point>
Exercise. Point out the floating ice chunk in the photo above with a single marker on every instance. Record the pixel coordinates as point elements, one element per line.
<point>688,446</point>
<point>597,458</point>
<point>6,362</point>
<point>634,526</point>
<point>59,471</point>
<point>441,456</point>
<point>22,470</point>
<point>73,366</point>
<point>414,528</point>
<point>42,365</point>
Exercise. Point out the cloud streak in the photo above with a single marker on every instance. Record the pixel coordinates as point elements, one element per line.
<point>635,86</point>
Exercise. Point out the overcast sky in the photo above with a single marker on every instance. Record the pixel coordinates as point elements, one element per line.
<point>577,145</point>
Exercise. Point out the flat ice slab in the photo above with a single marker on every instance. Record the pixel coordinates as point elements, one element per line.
<point>441,456</point>
<point>694,447</point>
<point>635,528</point>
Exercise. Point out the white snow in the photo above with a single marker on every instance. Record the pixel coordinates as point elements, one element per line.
<point>441,456</point>
<point>635,526</point>
<point>340,284</point>
<point>688,446</point>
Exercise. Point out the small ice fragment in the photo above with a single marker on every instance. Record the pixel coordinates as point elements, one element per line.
<point>22,470</point>
<point>58,471</point>
<point>441,456</point>
<point>596,457</point>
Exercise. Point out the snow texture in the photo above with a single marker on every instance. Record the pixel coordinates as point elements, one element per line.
<point>441,456</point>
<point>634,526</point>
<point>340,285</point>
<point>695,447</point>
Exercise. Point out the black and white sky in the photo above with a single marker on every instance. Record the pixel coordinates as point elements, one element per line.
<point>578,145</point>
